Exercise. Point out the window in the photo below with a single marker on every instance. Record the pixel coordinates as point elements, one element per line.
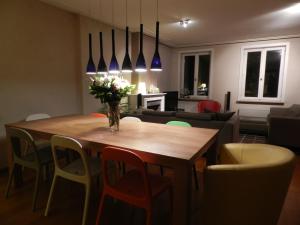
<point>262,73</point>
<point>195,74</point>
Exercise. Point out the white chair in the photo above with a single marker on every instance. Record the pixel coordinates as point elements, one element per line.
<point>37,116</point>
<point>131,118</point>
<point>80,170</point>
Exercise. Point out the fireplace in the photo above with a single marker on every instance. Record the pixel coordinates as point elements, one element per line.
<point>148,101</point>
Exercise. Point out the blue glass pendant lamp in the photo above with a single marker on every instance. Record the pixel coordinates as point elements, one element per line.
<point>114,65</point>
<point>102,69</point>
<point>141,63</point>
<point>156,62</point>
<point>127,66</point>
<point>90,68</point>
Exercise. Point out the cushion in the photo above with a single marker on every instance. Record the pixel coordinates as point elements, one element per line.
<point>224,116</point>
<point>205,110</point>
<point>195,116</point>
<point>159,113</point>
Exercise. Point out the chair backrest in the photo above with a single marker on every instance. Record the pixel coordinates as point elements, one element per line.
<point>37,116</point>
<point>131,118</point>
<point>114,154</point>
<point>22,144</point>
<point>249,186</point>
<point>210,105</point>
<point>98,115</point>
<point>62,143</point>
<point>178,123</point>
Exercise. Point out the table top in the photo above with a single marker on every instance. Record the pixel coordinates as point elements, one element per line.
<point>183,143</point>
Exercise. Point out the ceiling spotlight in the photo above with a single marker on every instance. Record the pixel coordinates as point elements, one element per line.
<point>185,22</point>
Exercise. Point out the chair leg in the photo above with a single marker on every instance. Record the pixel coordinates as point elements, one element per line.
<point>195,177</point>
<point>149,217</point>
<point>36,189</point>
<point>51,194</point>
<point>10,178</point>
<point>161,170</point>
<point>171,204</point>
<point>100,209</point>
<point>86,203</point>
<point>171,195</point>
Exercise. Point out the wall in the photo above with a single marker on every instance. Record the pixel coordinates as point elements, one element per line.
<point>39,61</point>
<point>226,61</point>
<point>87,25</point>
<point>158,79</point>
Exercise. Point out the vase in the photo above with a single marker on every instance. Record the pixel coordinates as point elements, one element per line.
<point>114,115</point>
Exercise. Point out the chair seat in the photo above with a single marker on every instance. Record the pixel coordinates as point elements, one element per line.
<point>76,167</point>
<point>44,154</point>
<point>132,184</point>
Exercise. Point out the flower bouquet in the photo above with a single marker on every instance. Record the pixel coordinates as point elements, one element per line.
<point>110,90</point>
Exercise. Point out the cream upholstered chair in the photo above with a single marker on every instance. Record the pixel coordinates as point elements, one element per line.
<point>249,186</point>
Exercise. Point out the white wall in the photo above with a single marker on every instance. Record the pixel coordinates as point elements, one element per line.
<point>87,25</point>
<point>158,79</point>
<point>39,61</point>
<point>226,61</point>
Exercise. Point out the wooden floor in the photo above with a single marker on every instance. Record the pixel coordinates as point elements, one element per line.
<point>68,204</point>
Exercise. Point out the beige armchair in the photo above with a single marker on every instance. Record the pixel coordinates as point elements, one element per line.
<point>249,186</point>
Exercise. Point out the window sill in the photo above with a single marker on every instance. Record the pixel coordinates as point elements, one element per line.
<point>259,102</point>
<point>193,98</point>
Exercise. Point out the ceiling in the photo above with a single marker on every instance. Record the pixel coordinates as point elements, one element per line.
<point>213,21</point>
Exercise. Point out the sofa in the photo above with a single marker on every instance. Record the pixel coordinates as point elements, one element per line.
<point>226,123</point>
<point>284,126</point>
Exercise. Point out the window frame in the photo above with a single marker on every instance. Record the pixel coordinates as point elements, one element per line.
<point>196,53</point>
<point>282,74</point>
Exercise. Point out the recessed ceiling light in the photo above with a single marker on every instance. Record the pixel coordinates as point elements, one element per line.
<point>294,9</point>
<point>184,23</point>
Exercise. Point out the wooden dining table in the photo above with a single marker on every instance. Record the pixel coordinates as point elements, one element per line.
<point>170,146</point>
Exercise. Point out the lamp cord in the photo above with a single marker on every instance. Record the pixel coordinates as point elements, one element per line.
<point>100,8</point>
<point>112,13</point>
<point>140,11</point>
<point>156,10</point>
<point>126,13</point>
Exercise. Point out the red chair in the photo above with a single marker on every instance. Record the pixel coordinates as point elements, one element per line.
<point>210,105</point>
<point>136,186</point>
<point>98,115</point>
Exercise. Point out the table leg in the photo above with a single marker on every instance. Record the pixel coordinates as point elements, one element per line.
<point>212,154</point>
<point>182,194</point>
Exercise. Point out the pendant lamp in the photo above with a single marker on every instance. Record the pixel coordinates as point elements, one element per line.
<point>102,69</point>
<point>114,65</point>
<point>156,62</point>
<point>90,68</point>
<point>141,63</point>
<point>126,66</point>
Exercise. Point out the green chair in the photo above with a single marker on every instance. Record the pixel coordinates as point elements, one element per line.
<point>178,123</point>
<point>184,124</point>
<point>80,170</point>
<point>27,154</point>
